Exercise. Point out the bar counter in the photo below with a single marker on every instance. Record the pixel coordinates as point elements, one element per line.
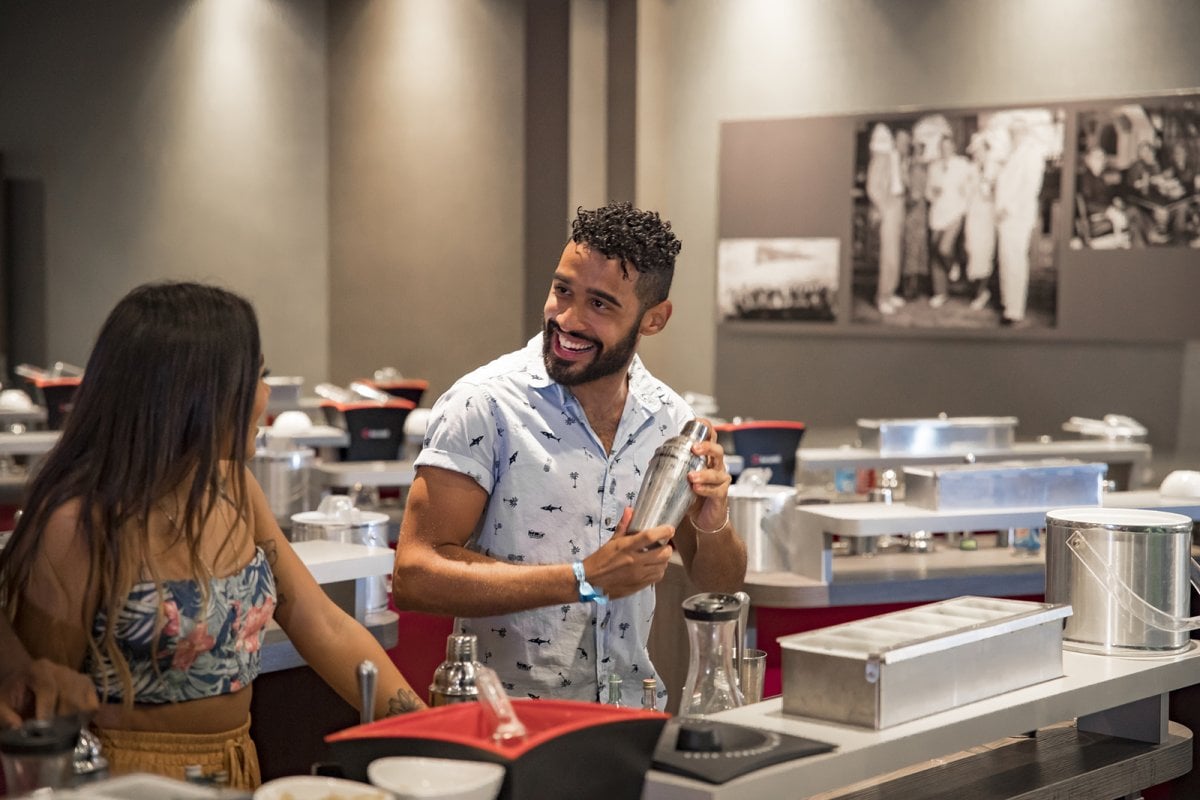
<point>1119,697</point>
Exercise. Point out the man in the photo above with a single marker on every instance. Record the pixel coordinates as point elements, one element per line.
<point>885,190</point>
<point>517,521</point>
<point>1018,185</point>
<point>1101,202</point>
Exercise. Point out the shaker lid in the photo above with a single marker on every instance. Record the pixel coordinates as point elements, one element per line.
<point>41,737</point>
<point>712,607</point>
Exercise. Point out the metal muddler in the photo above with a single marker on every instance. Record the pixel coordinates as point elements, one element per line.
<point>368,673</point>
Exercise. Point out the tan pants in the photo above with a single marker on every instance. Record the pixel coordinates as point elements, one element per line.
<point>170,754</point>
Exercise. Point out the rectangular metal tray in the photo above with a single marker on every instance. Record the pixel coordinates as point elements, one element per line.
<point>1049,483</point>
<point>893,668</point>
<point>936,435</point>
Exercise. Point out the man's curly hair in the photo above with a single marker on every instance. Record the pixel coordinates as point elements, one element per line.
<point>640,238</point>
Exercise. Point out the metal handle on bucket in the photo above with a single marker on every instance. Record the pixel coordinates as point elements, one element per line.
<point>1127,597</point>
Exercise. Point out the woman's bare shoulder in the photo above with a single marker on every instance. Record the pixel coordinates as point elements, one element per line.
<point>61,536</point>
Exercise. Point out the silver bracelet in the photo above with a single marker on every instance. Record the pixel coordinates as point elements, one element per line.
<point>698,529</point>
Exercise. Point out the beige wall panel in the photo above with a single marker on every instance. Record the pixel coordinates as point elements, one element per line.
<point>173,140</point>
<point>426,182</point>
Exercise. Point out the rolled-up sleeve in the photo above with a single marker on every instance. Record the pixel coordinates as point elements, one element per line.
<point>461,435</point>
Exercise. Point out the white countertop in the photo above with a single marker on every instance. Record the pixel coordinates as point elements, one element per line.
<point>330,561</point>
<point>877,519</point>
<point>1090,683</point>
<point>368,473</point>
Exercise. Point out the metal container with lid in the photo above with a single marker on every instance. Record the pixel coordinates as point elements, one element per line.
<point>896,667</point>
<point>755,510</point>
<point>454,679</point>
<point>1125,572</point>
<point>941,434</point>
<point>337,520</point>
<point>283,472</point>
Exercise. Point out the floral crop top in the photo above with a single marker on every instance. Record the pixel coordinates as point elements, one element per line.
<point>199,654</point>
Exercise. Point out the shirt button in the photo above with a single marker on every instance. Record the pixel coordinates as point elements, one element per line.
<point>608,520</point>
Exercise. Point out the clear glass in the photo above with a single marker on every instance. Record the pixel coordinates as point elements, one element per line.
<point>711,684</point>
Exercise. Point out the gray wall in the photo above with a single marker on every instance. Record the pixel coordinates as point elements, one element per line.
<point>365,183</point>
<point>156,139</point>
<point>754,59</point>
<point>427,185</point>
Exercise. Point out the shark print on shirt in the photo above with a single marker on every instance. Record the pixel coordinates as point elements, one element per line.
<point>538,475</point>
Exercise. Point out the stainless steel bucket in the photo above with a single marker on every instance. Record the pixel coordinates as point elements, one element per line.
<point>1125,574</point>
<point>352,527</point>
<point>756,512</point>
<point>284,477</point>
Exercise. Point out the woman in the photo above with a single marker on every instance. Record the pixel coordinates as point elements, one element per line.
<point>147,556</point>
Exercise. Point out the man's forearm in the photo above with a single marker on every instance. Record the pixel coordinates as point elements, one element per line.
<point>719,561</point>
<point>464,583</point>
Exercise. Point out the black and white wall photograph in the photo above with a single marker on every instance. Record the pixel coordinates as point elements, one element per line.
<point>954,216</point>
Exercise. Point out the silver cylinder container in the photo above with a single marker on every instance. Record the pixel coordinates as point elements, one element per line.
<point>364,527</point>
<point>284,477</point>
<point>755,512</point>
<point>1146,551</point>
<point>665,493</point>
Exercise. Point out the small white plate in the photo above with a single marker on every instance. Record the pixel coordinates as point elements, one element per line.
<point>413,777</point>
<point>312,787</point>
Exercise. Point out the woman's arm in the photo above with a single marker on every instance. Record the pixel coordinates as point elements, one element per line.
<point>330,640</point>
<point>54,611</point>
<point>37,688</point>
<point>45,645</point>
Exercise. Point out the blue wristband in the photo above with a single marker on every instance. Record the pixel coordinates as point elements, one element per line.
<point>587,592</point>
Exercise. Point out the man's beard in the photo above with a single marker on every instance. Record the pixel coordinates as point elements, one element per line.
<point>604,362</point>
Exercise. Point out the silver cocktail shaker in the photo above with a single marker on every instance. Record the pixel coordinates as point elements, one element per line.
<point>454,679</point>
<point>666,494</point>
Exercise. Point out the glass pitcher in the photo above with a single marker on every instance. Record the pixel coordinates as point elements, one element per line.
<point>712,623</point>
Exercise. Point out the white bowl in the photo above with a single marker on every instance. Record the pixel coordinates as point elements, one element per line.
<point>15,400</point>
<point>289,422</point>
<point>312,787</point>
<point>416,778</point>
<point>1181,483</point>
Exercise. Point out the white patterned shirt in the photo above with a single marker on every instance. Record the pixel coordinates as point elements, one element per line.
<point>555,497</point>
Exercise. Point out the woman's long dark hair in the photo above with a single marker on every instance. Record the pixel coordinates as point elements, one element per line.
<point>166,397</point>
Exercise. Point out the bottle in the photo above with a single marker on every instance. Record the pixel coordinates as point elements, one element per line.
<point>665,493</point>
<point>649,694</point>
<point>454,679</point>
<point>614,690</point>
<point>712,683</point>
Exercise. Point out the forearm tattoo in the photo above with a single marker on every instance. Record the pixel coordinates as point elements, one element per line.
<point>403,701</point>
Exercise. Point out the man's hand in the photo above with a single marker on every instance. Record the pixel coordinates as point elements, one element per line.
<point>44,689</point>
<point>629,563</point>
<point>711,485</point>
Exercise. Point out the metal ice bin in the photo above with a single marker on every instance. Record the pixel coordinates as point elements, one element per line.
<point>936,435</point>
<point>1047,483</point>
<point>897,667</point>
